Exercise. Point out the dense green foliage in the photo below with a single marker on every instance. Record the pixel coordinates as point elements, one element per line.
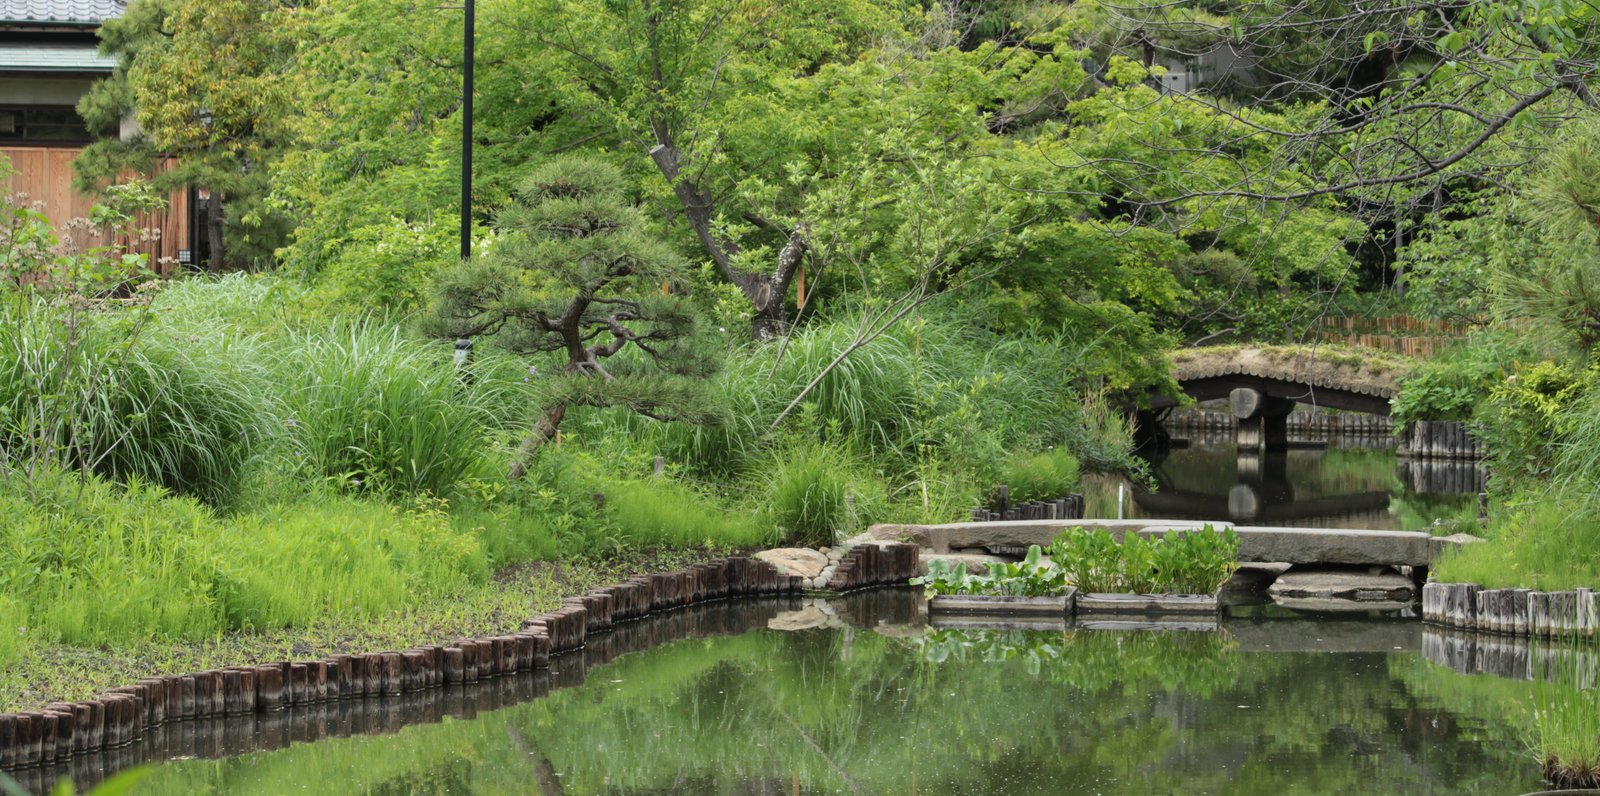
<point>747,275</point>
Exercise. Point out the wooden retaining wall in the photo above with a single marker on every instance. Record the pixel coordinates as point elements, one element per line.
<point>1439,439</point>
<point>1515,612</point>
<point>123,715</point>
<point>218,737</point>
<point>1065,507</point>
<point>1300,423</point>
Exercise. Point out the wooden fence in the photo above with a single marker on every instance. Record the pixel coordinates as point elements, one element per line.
<point>43,175</point>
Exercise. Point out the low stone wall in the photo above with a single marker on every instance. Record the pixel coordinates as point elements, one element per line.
<point>124,715</point>
<point>1516,612</point>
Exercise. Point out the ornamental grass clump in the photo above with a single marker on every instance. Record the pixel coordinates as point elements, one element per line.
<point>1566,716</point>
<point>1040,476</point>
<point>1179,562</point>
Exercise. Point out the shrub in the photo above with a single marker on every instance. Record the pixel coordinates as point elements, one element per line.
<point>1452,385</point>
<point>1528,418</point>
<point>1041,476</point>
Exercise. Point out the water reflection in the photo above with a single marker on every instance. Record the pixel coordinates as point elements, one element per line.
<point>1311,485</point>
<point>866,700</point>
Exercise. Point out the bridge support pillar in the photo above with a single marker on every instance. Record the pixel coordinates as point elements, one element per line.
<point>1263,420</point>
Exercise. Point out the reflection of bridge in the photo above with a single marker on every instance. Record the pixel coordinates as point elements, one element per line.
<point>1262,385</point>
<point>1263,494</point>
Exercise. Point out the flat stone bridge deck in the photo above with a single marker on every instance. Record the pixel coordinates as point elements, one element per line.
<point>1299,546</point>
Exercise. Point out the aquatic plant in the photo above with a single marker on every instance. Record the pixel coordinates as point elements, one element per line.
<point>1030,577</point>
<point>1182,562</point>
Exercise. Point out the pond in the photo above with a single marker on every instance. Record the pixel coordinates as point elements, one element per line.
<point>1318,483</point>
<point>860,696</point>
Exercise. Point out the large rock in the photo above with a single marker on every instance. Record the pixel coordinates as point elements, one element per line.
<point>800,561</point>
<point>1345,584</point>
<point>1334,546</point>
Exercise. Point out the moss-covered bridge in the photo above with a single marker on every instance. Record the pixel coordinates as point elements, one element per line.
<point>1263,384</point>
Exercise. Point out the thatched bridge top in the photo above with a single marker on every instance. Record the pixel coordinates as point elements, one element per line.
<point>1334,376</point>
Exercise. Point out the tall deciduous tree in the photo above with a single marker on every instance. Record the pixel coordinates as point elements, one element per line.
<point>579,272</point>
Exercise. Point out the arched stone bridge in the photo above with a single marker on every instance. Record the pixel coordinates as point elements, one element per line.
<point>1263,383</point>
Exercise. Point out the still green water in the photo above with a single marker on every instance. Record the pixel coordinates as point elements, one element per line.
<point>1317,487</point>
<point>1260,707</point>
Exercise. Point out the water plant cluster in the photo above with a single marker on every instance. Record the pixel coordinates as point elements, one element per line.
<point>1178,562</point>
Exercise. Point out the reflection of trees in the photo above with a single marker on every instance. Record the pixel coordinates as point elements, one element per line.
<point>1133,712</point>
<point>1015,713</point>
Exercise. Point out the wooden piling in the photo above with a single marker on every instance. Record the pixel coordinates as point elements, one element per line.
<point>393,668</point>
<point>342,671</point>
<point>298,686</point>
<point>269,687</point>
<point>412,677</point>
<point>91,724</point>
<point>373,678</point>
<point>8,741</point>
<point>27,739</point>
<point>454,666</point>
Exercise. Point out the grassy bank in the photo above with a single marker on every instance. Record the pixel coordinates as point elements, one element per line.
<point>218,473</point>
<point>48,671</point>
<point>1539,540</point>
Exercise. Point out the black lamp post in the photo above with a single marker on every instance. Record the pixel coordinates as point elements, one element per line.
<point>466,139</point>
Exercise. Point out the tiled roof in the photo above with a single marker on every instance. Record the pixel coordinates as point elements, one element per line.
<point>64,58</point>
<point>80,12</point>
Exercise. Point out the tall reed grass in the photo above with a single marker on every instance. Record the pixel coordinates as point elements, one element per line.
<point>110,393</point>
<point>1566,715</point>
<point>371,410</point>
<point>938,405</point>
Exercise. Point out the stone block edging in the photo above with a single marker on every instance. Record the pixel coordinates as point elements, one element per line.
<point>121,716</point>
<point>1517,612</point>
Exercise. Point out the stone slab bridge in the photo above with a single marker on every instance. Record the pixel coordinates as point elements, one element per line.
<point>1294,546</point>
<point>1263,383</point>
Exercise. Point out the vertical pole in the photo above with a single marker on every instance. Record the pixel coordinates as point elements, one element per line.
<point>466,135</point>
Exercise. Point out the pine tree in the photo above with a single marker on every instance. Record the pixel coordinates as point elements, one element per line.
<point>579,271</point>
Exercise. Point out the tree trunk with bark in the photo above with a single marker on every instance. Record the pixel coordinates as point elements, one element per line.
<point>214,219</point>
<point>767,292</point>
<point>543,431</point>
